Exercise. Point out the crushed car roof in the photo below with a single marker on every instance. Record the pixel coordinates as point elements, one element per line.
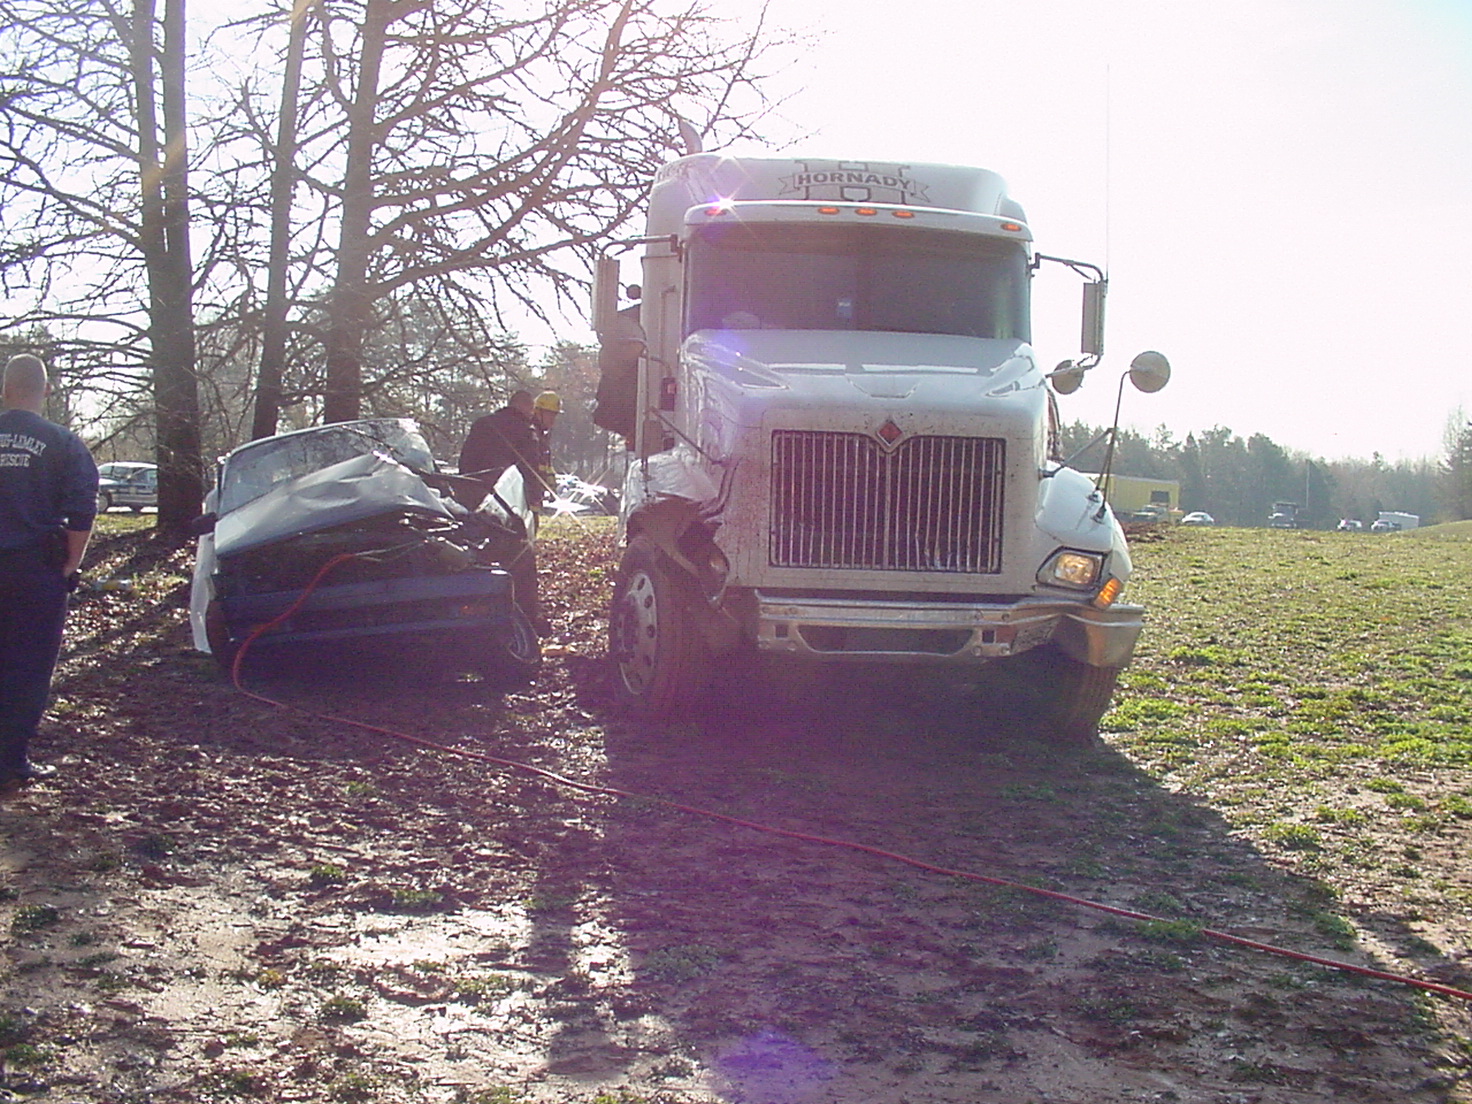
<point>339,494</point>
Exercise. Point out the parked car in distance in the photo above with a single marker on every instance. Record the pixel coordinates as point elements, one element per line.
<point>1198,517</point>
<point>1384,525</point>
<point>126,483</point>
<point>576,496</point>
<point>1284,516</point>
<point>347,534</point>
<point>1350,525</point>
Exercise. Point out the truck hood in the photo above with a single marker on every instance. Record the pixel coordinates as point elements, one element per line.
<point>837,363</point>
<point>928,383</point>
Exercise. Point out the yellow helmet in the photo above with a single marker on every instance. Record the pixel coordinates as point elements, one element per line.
<point>548,400</point>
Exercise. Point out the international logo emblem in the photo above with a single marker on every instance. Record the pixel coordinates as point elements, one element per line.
<point>889,433</point>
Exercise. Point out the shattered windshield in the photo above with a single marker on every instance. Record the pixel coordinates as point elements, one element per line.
<point>267,464</point>
<point>800,277</point>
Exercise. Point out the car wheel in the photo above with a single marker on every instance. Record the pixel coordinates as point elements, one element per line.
<point>516,662</point>
<point>217,633</point>
<point>104,502</point>
<point>660,656</point>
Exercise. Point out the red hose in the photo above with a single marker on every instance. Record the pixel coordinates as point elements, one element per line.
<point>894,856</point>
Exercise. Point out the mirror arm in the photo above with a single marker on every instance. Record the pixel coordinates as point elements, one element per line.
<point>623,245</point>
<point>1083,268</point>
<point>1077,453</point>
<point>1108,469</point>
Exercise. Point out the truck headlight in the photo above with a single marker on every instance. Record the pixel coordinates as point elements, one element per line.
<point>1076,570</point>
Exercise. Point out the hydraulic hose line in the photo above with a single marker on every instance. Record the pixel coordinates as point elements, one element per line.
<point>787,833</point>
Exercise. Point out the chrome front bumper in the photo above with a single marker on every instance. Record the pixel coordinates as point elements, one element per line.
<point>842,630</point>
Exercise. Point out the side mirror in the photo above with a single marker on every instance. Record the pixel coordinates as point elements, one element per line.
<point>605,293</point>
<point>1091,341</point>
<point>201,525</point>
<point>1150,371</point>
<point>1067,378</point>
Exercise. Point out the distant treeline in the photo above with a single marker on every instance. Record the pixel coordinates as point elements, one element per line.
<point>1237,479</point>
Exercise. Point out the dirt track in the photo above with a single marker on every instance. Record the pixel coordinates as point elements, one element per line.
<point>219,899</point>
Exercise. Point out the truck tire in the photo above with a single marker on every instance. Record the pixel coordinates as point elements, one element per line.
<point>1077,698</point>
<point>661,660</point>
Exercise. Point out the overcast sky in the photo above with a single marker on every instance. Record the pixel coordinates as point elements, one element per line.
<point>1281,190</point>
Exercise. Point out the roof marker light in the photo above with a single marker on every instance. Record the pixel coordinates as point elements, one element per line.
<point>1011,226</point>
<point>828,210</point>
<point>866,211</point>
<point>903,214</point>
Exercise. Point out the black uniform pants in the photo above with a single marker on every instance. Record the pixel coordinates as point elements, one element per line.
<point>33,598</point>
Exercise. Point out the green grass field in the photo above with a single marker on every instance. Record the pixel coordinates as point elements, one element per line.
<point>1316,689</point>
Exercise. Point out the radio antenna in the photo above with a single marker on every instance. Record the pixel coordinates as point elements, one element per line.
<point>1108,160</point>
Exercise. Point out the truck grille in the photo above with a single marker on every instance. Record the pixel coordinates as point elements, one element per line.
<point>840,500</point>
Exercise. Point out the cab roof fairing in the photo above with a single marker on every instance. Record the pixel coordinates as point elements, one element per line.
<point>707,178</point>
<point>929,218</point>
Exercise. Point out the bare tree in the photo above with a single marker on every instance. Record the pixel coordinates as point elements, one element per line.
<point>445,161</point>
<point>96,197</point>
<point>471,150</point>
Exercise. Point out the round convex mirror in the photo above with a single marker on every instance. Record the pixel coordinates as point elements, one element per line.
<point>1150,371</point>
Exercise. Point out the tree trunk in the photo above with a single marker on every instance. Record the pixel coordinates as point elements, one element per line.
<point>165,243</point>
<point>273,330</point>
<point>351,301</point>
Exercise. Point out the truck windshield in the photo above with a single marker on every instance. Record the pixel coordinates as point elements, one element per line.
<point>800,277</point>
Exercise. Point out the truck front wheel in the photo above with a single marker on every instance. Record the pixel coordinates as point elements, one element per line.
<point>661,659</point>
<point>1077,697</point>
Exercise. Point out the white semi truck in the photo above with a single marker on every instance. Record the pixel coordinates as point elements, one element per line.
<point>843,448</point>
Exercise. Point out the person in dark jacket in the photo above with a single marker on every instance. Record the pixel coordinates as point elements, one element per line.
<point>502,438</point>
<point>496,441</point>
<point>48,500</point>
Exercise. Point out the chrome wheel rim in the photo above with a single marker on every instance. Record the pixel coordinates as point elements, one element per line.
<point>638,633</point>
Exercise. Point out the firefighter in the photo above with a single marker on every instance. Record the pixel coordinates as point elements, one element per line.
<point>545,408</point>
<point>48,498</point>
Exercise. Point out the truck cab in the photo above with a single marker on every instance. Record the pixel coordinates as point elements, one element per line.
<point>843,450</point>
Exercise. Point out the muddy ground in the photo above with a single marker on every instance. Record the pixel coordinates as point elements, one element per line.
<point>220,898</point>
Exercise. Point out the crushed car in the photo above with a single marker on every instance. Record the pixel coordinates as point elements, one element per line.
<point>349,534</point>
